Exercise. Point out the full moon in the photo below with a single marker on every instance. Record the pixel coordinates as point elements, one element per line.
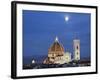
<point>66,18</point>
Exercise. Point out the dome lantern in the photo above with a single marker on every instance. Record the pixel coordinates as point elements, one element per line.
<point>56,39</point>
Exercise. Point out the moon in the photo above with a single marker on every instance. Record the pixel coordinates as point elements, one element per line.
<point>66,18</point>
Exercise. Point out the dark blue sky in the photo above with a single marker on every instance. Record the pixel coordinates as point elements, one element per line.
<point>41,27</point>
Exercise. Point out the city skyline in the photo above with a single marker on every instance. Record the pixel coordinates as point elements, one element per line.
<point>41,27</point>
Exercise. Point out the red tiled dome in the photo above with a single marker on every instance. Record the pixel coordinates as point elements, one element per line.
<point>56,50</point>
<point>56,47</point>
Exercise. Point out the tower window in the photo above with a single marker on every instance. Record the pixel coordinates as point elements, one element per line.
<point>77,47</point>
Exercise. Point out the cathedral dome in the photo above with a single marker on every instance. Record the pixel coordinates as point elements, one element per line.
<point>56,47</point>
<point>55,52</point>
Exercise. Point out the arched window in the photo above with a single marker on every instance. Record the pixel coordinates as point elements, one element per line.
<point>77,47</point>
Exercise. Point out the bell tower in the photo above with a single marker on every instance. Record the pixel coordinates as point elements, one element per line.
<point>76,49</point>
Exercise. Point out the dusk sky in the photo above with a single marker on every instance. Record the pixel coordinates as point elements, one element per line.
<point>41,27</point>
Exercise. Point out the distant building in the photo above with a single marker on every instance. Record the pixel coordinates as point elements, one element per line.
<point>67,57</point>
<point>76,49</point>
